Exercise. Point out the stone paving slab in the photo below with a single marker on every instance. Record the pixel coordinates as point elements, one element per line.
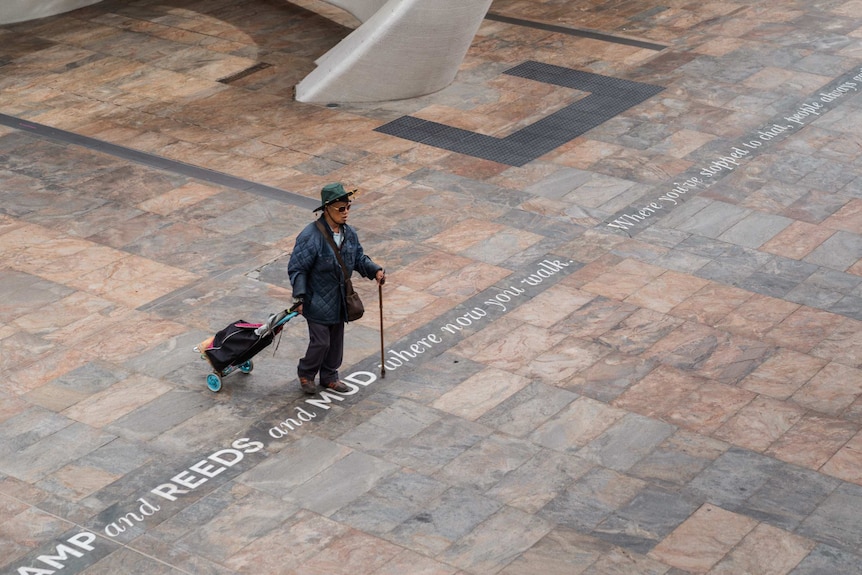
<point>641,334</point>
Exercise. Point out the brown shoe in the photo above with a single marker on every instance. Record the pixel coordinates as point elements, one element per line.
<point>336,386</point>
<point>307,385</point>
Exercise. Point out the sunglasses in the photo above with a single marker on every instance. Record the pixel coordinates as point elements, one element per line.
<point>341,209</point>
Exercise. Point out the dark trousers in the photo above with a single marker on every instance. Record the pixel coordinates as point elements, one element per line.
<point>324,354</point>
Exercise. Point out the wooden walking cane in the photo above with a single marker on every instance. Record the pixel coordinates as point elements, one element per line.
<point>382,358</point>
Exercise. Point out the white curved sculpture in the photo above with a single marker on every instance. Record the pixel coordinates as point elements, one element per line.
<point>403,49</point>
<point>21,10</point>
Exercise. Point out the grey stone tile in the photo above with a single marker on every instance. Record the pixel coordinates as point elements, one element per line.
<point>684,213</point>
<point>646,520</point>
<point>734,265</point>
<point>791,167</point>
<point>159,415</point>
<point>28,427</point>
<point>766,284</point>
<point>662,236</point>
<point>789,496</point>
<point>713,220</point>
<point>126,560</point>
<point>487,462</point>
<point>704,247</point>
<point>837,521</point>
<point>455,514</point>
<point>563,550</point>
<point>496,541</point>
<point>196,515</point>
<point>436,446</point>
<point>91,378</point>
<point>179,558</point>
<point>401,420</point>
<point>813,296</point>
<point>827,560</point>
<point>815,206</point>
<point>294,465</point>
<point>559,183</point>
<point>828,279</point>
<point>340,483</point>
<point>24,293</point>
<point>669,468</point>
<point>733,478</point>
<point>829,175</point>
<point>522,489</point>
<point>598,190</point>
<point>166,357</point>
<point>590,500</point>
<point>45,456</point>
<point>609,377</point>
<point>755,229</point>
<point>681,261</point>
<point>522,413</point>
<point>235,525</point>
<point>850,306</point>
<point>839,252</point>
<point>626,442</point>
<point>394,500</point>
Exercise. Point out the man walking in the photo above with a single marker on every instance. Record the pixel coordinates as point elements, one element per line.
<point>319,286</point>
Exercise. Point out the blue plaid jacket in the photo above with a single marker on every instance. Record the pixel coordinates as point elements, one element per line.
<point>316,276</point>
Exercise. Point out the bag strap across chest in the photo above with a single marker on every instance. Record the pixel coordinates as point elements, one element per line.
<point>335,248</point>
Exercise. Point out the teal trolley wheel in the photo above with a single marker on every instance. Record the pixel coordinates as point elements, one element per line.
<point>214,382</point>
<point>247,367</point>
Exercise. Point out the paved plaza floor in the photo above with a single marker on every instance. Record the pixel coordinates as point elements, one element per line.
<point>622,332</point>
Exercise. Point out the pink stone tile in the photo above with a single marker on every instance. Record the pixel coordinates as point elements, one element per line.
<point>127,339</point>
<point>521,346</point>
<point>179,198</point>
<point>658,394</point>
<point>477,394</point>
<point>703,539</point>
<point>578,424</point>
<point>848,218</point>
<point>562,361</point>
<point>639,331</point>
<point>31,376</point>
<point>467,281</point>
<point>78,481</point>
<point>69,270</point>
<point>846,464</point>
<point>594,318</point>
<point>812,441</point>
<point>783,373</point>
<point>757,316</point>
<point>766,550</point>
<point>733,359</point>
<point>666,291</point>
<point>757,425</point>
<point>623,279</point>
<point>562,552</point>
<point>797,240</point>
<point>804,329</point>
<point>302,538</point>
<point>121,398</point>
<point>686,346</point>
<point>485,337</point>
<point>711,304</point>
<point>705,409</point>
<point>833,389</point>
<point>548,307</point>
<point>354,553</point>
<point>411,562</point>
<point>844,345</point>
